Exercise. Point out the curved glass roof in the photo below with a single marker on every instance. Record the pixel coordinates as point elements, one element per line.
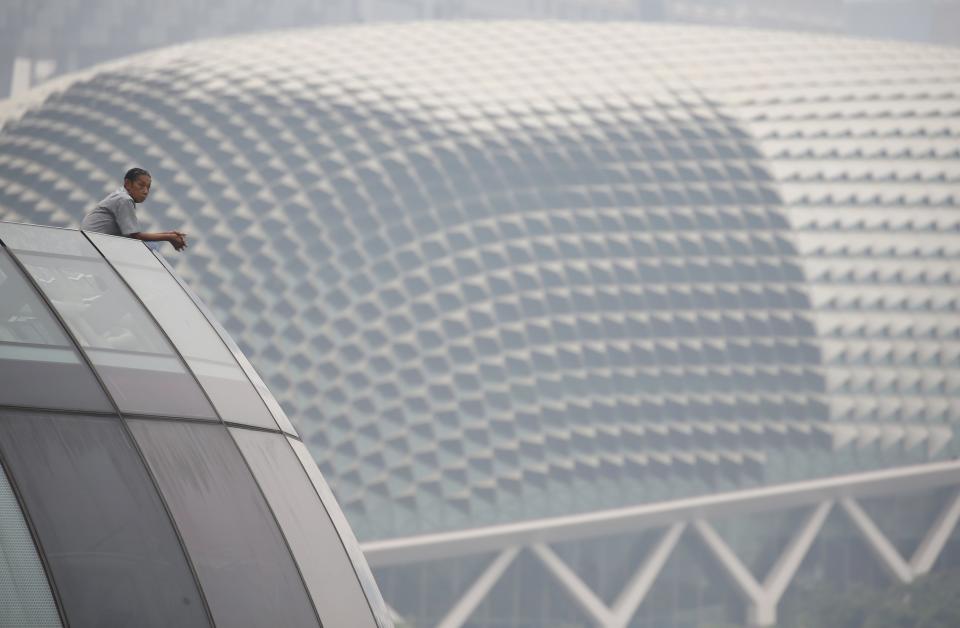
<point>109,367</point>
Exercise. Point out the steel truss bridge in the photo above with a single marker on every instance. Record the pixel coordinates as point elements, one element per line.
<point>691,516</point>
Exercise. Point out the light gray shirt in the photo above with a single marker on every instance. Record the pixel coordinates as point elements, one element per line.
<point>114,215</point>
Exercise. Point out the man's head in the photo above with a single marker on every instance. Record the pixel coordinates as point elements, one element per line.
<point>137,184</point>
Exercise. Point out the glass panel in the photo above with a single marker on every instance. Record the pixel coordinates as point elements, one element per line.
<point>136,362</point>
<point>25,599</point>
<point>314,541</point>
<point>111,549</point>
<point>35,351</point>
<point>278,414</point>
<point>244,567</point>
<point>45,240</point>
<point>226,384</point>
<point>339,520</point>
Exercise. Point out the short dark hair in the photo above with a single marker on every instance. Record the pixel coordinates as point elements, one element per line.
<point>135,173</point>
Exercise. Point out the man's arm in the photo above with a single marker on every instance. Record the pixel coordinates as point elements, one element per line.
<point>177,239</point>
<point>126,216</point>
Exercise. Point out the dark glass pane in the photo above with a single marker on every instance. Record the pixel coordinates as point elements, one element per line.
<point>35,352</point>
<point>112,552</point>
<point>25,599</point>
<point>314,541</point>
<point>350,543</point>
<point>135,361</point>
<point>278,414</point>
<point>228,387</point>
<point>245,570</point>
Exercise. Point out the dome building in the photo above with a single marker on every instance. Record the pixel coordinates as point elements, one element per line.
<point>148,478</point>
<point>553,304</point>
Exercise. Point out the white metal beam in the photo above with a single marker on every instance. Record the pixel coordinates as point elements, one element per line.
<point>633,593</point>
<point>749,588</point>
<point>882,548</point>
<point>762,600</point>
<point>623,520</point>
<point>936,538</point>
<point>783,571</point>
<point>585,598</point>
<point>636,590</point>
<point>926,553</point>
<point>469,601</point>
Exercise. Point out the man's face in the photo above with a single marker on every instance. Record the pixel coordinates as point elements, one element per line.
<point>139,189</point>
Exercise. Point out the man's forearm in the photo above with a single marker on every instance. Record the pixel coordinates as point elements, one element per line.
<point>177,239</point>
<point>154,236</point>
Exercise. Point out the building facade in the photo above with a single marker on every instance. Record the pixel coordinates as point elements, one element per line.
<point>41,39</point>
<point>553,305</point>
<point>148,478</point>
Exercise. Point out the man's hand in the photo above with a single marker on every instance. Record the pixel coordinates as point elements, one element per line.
<point>178,239</point>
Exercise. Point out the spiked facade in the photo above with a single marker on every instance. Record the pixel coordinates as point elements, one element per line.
<point>506,272</point>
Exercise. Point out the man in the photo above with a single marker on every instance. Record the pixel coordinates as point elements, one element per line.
<point>117,215</point>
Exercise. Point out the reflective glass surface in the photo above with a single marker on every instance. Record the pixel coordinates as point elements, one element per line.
<point>220,510</point>
<point>278,414</point>
<point>314,541</point>
<point>46,239</point>
<point>35,352</point>
<point>136,362</point>
<point>112,552</point>
<point>25,599</point>
<point>214,366</point>
<point>362,569</point>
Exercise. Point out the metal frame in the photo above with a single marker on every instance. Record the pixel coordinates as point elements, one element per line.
<point>761,597</point>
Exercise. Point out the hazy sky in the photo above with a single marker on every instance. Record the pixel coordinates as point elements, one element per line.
<point>40,39</point>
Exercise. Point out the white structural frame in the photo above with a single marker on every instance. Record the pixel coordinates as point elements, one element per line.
<point>761,597</point>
